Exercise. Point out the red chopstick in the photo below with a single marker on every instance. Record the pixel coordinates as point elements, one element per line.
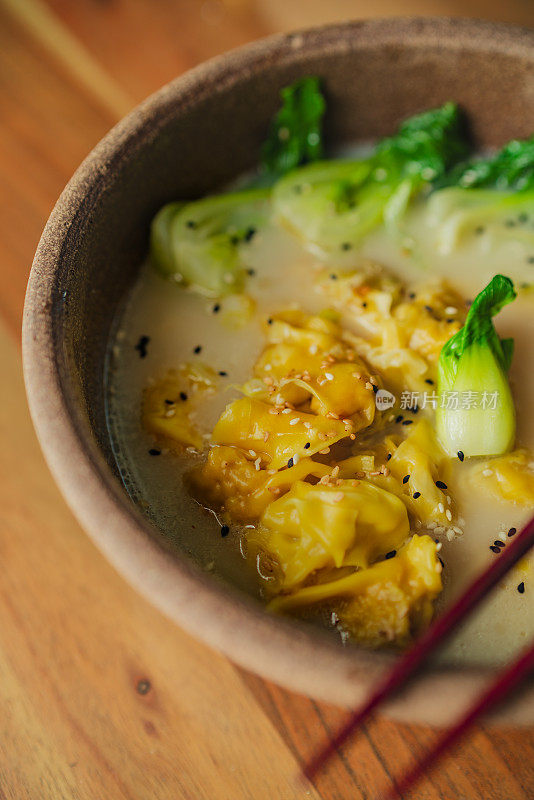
<point>506,681</point>
<point>440,629</point>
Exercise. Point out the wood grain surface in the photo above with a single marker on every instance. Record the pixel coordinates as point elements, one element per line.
<point>100,696</point>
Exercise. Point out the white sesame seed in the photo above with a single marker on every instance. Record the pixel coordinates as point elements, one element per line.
<point>487,472</point>
<point>313,349</point>
<point>451,310</point>
<point>439,545</point>
<point>296,459</point>
<point>170,413</point>
<point>448,515</point>
<point>441,508</point>
<point>329,376</point>
<point>257,462</point>
<point>252,453</point>
<point>286,411</point>
<point>294,421</point>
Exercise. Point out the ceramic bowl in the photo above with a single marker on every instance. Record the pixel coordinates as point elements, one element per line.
<point>189,138</point>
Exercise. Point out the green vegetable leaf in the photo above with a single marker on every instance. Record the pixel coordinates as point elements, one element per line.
<point>511,168</point>
<point>474,362</point>
<point>332,205</point>
<point>495,192</point>
<point>201,244</point>
<point>426,145</point>
<point>296,135</point>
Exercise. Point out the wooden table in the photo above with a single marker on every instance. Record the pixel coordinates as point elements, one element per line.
<point>100,696</point>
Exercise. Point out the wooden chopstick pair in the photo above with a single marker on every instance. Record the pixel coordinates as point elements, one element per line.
<point>412,660</point>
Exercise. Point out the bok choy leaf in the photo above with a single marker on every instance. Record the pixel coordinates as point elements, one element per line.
<point>476,412</point>
<point>332,205</point>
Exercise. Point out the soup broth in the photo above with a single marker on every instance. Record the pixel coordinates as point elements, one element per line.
<point>182,327</point>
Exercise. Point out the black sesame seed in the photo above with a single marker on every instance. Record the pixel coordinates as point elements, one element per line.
<point>391,554</point>
<point>530,260</point>
<point>141,346</point>
<point>333,277</point>
<point>512,532</point>
<point>251,271</point>
<point>429,381</point>
<point>406,479</point>
<point>416,495</point>
<point>270,321</point>
<point>480,229</point>
<point>399,418</point>
<point>169,402</point>
<point>495,549</point>
<point>460,455</point>
<point>429,309</point>
<point>364,305</point>
<point>522,218</point>
<point>346,246</point>
<point>216,308</point>
<point>498,543</point>
<point>234,239</point>
<point>375,387</point>
<point>143,686</point>
<point>223,373</point>
<point>441,562</point>
<point>407,422</point>
<point>197,349</point>
<point>521,588</point>
<point>388,456</point>
<point>441,485</point>
<point>225,530</point>
<point>412,295</point>
<point>250,233</point>
<point>307,445</point>
<point>191,223</point>
<point>183,396</point>
<point>290,462</point>
<point>154,451</point>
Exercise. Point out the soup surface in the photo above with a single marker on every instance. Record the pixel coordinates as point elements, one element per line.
<point>164,327</point>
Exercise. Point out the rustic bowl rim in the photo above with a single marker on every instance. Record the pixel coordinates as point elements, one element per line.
<point>278,649</point>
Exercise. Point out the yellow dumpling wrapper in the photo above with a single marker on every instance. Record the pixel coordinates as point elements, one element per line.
<point>276,437</point>
<point>389,602</point>
<point>230,481</point>
<point>169,403</point>
<point>306,360</point>
<point>309,332</point>
<point>312,527</point>
<point>509,477</point>
<point>421,458</point>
